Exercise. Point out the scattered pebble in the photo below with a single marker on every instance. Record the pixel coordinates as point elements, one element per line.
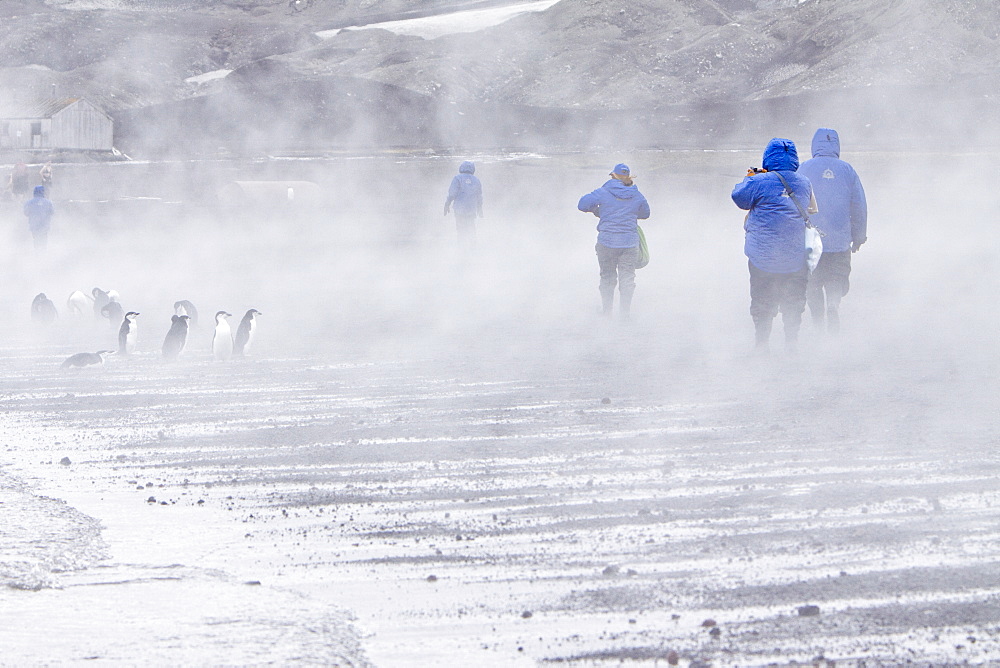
<point>606,400</point>
<point>252,582</point>
<point>673,658</point>
<point>526,614</point>
<point>708,622</point>
<point>432,578</point>
<point>715,632</point>
<point>808,610</point>
<point>151,499</point>
<point>65,461</point>
<point>610,571</point>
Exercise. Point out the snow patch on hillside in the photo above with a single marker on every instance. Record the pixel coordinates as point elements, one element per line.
<point>470,20</point>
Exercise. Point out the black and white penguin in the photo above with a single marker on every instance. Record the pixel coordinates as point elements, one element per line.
<point>245,332</point>
<point>184,307</point>
<point>101,299</point>
<point>222,340</point>
<point>79,304</point>
<point>127,334</point>
<point>43,311</point>
<point>81,360</point>
<point>113,311</point>
<point>176,337</point>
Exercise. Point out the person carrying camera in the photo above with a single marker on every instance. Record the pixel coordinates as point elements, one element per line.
<point>619,205</point>
<point>843,217</point>
<point>775,240</point>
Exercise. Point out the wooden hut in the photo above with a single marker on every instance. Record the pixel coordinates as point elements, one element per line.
<point>57,124</point>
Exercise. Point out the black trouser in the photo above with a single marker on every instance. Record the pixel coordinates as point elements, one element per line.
<point>771,293</point>
<point>828,283</point>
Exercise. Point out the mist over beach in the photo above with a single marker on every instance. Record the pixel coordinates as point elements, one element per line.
<point>443,454</point>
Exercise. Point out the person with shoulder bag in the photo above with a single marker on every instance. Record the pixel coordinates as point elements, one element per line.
<point>843,217</point>
<point>779,202</point>
<point>619,205</point>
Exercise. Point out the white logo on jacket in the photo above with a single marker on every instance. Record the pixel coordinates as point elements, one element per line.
<point>828,174</point>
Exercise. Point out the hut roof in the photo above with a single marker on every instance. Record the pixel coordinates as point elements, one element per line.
<point>40,109</point>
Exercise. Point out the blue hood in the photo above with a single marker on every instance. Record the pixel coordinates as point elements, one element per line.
<point>467,168</point>
<point>39,191</point>
<point>620,190</point>
<point>780,155</point>
<point>826,144</point>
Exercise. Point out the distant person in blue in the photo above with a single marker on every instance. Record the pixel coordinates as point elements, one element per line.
<point>842,217</point>
<point>39,211</point>
<point>620,206</point>
<point>775,241</point>
<point>466,193</point>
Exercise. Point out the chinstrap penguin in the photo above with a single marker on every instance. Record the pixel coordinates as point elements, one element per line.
<point>101,299</point>
<point>245,332</point>
<point>43,311</point>
<point>222,340</point>
<point>173,344</point>
<point>128,333</point>
<point>113,311</point>
<point>184,307</point>
<point>81,360</point>
<point>79,303</point>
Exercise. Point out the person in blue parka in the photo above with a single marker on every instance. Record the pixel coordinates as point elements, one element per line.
<point>843,219</point>
<point>619,205</point>
<point>466,193</point>
<point>39,211</point>
<point>775,240</point>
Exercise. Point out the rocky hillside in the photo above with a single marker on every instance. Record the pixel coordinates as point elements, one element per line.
<point>700,69</point>
<point>610,54</point>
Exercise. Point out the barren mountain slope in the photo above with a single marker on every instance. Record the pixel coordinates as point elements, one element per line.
<point>611,55</point>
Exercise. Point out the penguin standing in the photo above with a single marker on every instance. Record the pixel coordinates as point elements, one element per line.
<point>127,334</point>
<point>222,341</point>
<point>101,299</point>
<point>176,337</point>
<point>81,360</point>
<point>184,307</point>
<point>113,311</point>
<point>78,303</point>
<point>43,311</point>
<point>245,332</point>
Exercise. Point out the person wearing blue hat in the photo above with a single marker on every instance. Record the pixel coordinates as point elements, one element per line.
<point>39,211</point>
<point>777,199</point>
<point>619,205</point>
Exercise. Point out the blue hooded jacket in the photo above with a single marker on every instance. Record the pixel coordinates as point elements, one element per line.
<point>775,230</point>
<point>619,207</point>
<point>466,192</point>
<point>843,210</point>
<point>39,210</point>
